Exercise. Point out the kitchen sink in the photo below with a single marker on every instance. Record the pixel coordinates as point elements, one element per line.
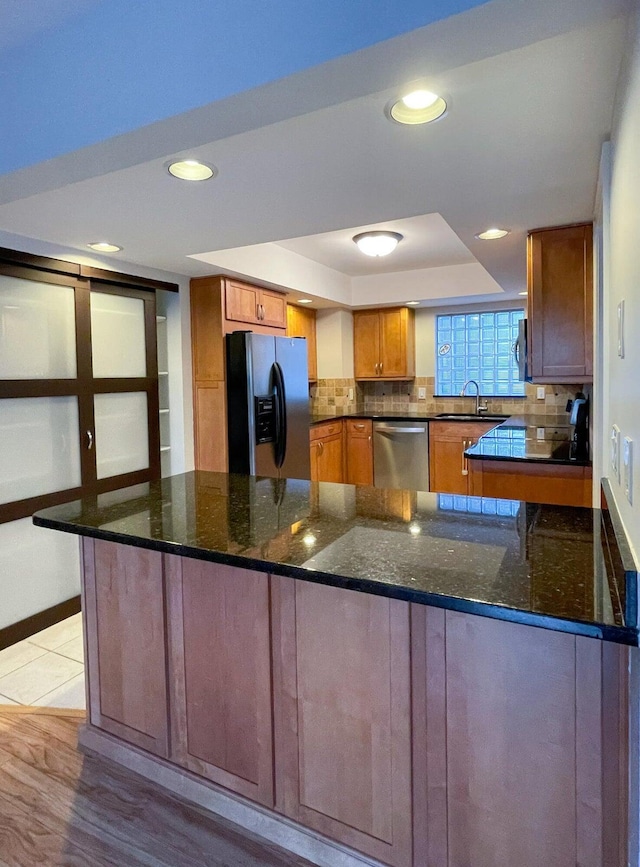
<point>465,416</point>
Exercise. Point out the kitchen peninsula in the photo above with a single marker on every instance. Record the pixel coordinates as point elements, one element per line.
<point>364,675</point>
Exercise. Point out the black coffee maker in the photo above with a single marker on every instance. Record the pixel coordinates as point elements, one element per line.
<point>579,421</point>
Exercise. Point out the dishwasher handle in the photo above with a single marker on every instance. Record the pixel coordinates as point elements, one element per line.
<point>402,430</point>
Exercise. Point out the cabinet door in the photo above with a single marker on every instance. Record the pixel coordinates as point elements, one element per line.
<point>274,309</point>
<point>302,323</point>
<point>220,675</point>
<point>241,302</point>
<point>560,323</point>
<point>124,616</point>
<point>330,459</point>
<point>359,456</point>
<point>366,344</point>
<point>395,340</point>
<point>342,701</point>
<point>447,465</point>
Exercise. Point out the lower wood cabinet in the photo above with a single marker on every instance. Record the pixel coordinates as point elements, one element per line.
<point>220,675</point>
<point>343,723</point>
<point>327,452</point>
<point>448,466</point>
<point>359,451</point>
<point>123,605</point>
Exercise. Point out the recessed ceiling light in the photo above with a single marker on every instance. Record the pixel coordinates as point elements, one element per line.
<point>419,106</point>
<point>305,301</point>
<point>191,170</point>
<point>377,243</point>
<point>104,247</point>
<point>413,303</point>
<point>492,234</point>
<point>523,293</point>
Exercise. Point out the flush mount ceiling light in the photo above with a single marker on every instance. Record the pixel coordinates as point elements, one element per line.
<point>104,247</point>
<point>377,243</point>
<point>305,301</point>
<point>419,106</point>
<point>492,234</point>
<point>413,303</point>
<point>191,170</point>
<point>523,293</point>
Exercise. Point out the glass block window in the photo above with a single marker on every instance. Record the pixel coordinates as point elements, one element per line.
<point>478,346</point>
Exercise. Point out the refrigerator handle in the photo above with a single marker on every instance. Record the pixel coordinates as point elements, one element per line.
<point>280,445</point>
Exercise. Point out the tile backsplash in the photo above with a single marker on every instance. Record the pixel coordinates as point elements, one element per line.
<point>331,397</point>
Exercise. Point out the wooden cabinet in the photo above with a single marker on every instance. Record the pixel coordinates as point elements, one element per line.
<point>255,306</point>
<point>510,737</point>
<point>384,343</point>
<point>220,675</point>
<point>557,484</point>
<point>560,304</point>
<point>327,454</point>
<point>448,466</point>
<point>343,720</point>
<point>359,451</point>
<point>123,604</point>
<point>301,322</point>
<point>219,306</point>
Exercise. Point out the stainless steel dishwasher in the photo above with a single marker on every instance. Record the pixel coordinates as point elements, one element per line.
<point>401,455</point>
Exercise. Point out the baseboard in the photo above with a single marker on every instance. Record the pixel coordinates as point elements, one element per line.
<point>30,625</point>
<point>258,820</point>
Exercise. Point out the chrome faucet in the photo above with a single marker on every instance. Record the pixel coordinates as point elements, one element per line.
<point>480,408</point>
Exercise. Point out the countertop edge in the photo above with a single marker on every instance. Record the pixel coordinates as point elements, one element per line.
<point>616,634</point>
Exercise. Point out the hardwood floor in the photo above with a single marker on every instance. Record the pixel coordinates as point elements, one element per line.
<point>59,808</point>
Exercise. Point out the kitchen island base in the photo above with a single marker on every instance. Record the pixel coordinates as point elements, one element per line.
<point>352,728</point>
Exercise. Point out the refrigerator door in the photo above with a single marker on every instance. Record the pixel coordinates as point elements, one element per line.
<point>291,357</point>
<point>267,405</point>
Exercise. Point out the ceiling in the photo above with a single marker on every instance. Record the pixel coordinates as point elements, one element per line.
<point>308,160</point>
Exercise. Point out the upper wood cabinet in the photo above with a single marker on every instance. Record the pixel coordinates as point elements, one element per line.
<point>256,306</point>
<point>301,322</point>
<point>560,304</point>
<point>384,343</point>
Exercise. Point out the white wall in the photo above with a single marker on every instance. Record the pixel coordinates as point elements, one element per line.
<point>622,375</point>
<point>334,334</point>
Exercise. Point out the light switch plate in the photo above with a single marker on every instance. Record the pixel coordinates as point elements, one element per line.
<point>350,394</point>
<point>615,452</point>
<point>627,467</point>
<point>422,394</point>
<point>540,392</point>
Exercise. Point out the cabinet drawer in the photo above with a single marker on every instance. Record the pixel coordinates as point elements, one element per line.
<point>360,428</point>
<point>320,431</point>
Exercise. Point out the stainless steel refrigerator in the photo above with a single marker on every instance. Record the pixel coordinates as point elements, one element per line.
<point>268,405</point>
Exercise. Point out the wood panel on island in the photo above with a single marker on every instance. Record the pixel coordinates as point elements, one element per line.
<point>560,304</point>
<point>535,482</point>
<point>410,734</point>
<point>384,343</point>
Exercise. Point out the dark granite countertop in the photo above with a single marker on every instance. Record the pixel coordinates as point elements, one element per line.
<point>530,438</point>
<point>534,564</point>
<point>534,439</point>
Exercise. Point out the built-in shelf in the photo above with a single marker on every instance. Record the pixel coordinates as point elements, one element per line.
<point>165,448</point>
<point>161,411</point>
<point>161,318</point>
<point>163,373</point>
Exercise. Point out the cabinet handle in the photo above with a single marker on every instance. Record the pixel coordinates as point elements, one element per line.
<point>359,426</point>
<point>263,313</point>
<point>89,440</point>
<point>377,368</point>
<point>380,367</point>
<point>465,471</point>
<point>321,444</point>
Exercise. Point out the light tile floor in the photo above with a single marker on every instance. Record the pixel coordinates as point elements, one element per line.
<point>46,669</point>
